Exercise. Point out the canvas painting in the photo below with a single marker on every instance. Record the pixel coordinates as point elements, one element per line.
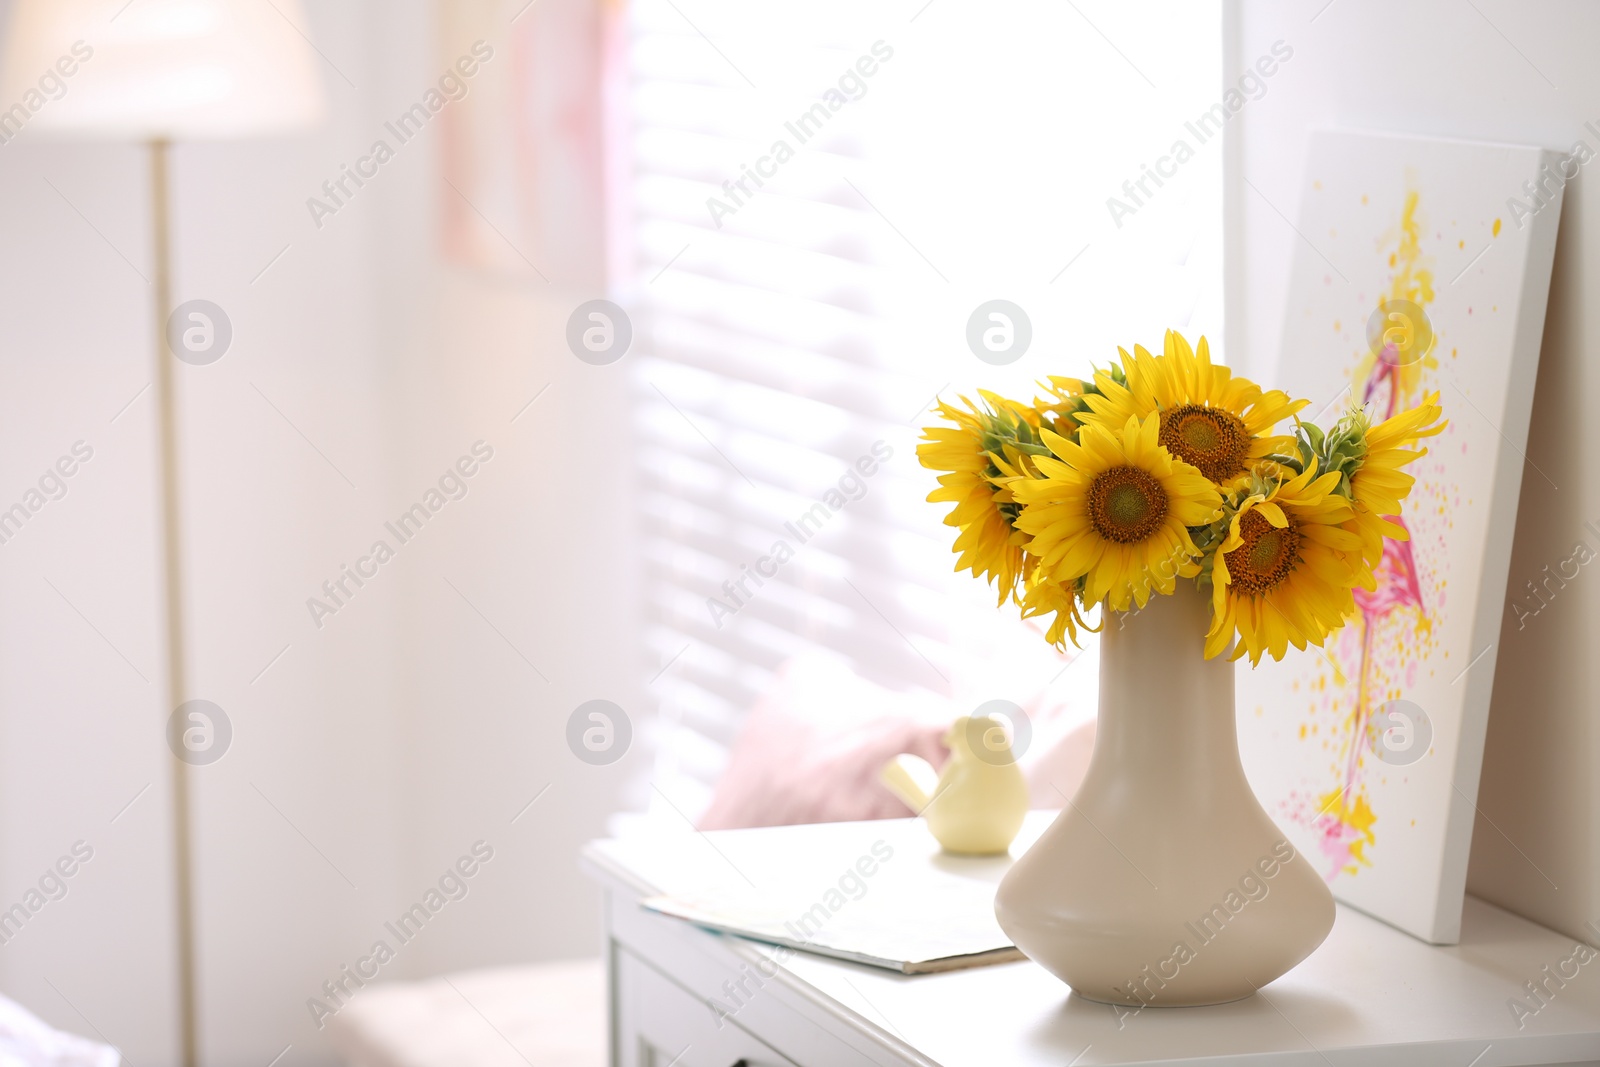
<point>1419,266</point>
<point>522,165</point>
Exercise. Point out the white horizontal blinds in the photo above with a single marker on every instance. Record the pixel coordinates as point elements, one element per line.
<point>761,381</point>
<point>771,352</point>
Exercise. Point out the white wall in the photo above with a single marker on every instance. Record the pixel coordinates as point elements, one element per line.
<point>379,747</point>
<point>1488,71</point>
<point>543,613</point>
<point>538,550</point>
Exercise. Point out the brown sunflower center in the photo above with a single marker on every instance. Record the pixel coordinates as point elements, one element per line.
<point>1211,439</point>
<point>1266,558</point>
<point>1126,504</point>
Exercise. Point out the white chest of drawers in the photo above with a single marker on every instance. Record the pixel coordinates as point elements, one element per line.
<point>686,997</point>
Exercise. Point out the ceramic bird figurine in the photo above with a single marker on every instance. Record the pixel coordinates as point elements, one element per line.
<point>975,805</point>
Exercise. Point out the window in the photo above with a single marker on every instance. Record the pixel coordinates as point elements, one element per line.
<point>821,195</point>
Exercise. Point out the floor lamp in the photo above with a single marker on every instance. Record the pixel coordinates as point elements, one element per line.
<point>156,72</point>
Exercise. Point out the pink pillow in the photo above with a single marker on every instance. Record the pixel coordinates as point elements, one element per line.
<point>813,745</point>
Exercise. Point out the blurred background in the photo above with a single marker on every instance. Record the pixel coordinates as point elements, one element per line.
<point>384,329</point>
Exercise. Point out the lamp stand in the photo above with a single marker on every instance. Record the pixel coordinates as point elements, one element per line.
<point>171,529</point>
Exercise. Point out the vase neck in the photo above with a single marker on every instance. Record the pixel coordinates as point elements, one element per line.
<point>1164,708</point>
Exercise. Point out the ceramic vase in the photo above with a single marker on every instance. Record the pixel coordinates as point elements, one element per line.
<point>1163,882</point>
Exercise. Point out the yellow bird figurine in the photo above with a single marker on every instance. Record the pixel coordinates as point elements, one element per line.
<point>976,804</point>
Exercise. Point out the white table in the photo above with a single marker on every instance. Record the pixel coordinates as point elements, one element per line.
<point>1369,995</point>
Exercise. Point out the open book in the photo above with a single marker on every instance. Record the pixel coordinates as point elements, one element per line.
<point>931,925</point>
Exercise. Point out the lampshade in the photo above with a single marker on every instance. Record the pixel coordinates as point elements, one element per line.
<point>172,69</point>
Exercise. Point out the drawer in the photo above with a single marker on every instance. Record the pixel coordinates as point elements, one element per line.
<point>660,1024</point>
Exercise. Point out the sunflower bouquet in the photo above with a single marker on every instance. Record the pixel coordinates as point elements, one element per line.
<point>1108,491</point>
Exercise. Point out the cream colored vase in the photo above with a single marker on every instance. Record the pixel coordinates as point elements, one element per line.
<point>1163,882</point>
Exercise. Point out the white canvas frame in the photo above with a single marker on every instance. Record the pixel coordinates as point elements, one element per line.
<point>1418,863</point>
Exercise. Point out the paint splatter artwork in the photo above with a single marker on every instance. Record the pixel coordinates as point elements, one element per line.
<point>1406,280</point>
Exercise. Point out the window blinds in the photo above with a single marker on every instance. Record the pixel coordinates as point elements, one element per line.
<point>785,355</point>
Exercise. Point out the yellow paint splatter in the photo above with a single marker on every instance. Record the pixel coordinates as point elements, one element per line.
<point>1358,816</point>
<point>1346,818</point>
<point>1461,244</point>
<point>1413,281</point>
<point>1495,229</point>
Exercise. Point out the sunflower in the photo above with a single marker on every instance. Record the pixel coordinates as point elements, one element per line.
<point>1113,509</point>
<point>987,545</point>
<point>1045,596</point>
<point>1378,485</point>
<point>1060,408</point>
<point>1209,419</point>
<point>1283,574</point>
